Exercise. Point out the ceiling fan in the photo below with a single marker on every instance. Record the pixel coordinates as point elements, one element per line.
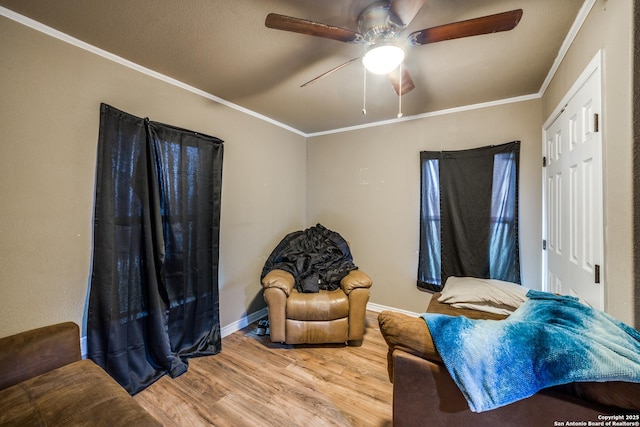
<point>380,28</point>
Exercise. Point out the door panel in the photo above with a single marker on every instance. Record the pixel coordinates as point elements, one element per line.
<point>554,190</point>
<point>573,197</point>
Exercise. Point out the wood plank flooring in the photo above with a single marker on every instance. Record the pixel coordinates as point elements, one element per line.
<point>253,382</point>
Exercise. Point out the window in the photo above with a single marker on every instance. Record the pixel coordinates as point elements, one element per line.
<point>468,215</point>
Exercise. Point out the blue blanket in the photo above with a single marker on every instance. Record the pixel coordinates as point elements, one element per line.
<point>549,340</point>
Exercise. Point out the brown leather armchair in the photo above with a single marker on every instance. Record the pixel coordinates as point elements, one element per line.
<point>310,318</point>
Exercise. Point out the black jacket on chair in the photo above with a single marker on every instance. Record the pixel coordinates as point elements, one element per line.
<point>317,257</point>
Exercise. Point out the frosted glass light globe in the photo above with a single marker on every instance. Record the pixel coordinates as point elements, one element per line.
<point>383,59</point>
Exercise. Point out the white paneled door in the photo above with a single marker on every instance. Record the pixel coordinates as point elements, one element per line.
<point>573,223</point>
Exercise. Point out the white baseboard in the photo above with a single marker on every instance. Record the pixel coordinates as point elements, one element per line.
<point>377,308</point>
<point>243,322</point>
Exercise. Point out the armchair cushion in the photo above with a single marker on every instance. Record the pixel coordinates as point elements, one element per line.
<point>324,305</point>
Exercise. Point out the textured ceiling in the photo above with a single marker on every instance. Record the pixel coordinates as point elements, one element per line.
<point>223,48</point>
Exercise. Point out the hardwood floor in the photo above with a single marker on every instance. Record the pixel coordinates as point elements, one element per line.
<point>253,382</point>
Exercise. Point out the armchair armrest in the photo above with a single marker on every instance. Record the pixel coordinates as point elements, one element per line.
<point>279,279</point>
<point>34,352</point>
<point>355,279</point>
<point>278,285</point>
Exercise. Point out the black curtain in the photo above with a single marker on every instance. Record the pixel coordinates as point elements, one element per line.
<point>153,300</point>
<point>469,215</point>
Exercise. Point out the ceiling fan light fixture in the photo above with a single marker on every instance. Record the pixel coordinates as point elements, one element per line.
<point>383,58</point>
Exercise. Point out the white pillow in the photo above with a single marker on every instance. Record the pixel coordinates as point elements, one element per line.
<point>485,306</point>
<point>494,296</point>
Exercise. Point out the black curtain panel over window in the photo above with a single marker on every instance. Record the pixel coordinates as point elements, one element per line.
<point>153,301</point>
<point>469,215</point>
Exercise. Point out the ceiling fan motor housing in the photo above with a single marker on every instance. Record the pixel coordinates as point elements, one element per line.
<point>377,24</point>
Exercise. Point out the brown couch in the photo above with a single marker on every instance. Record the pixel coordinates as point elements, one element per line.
<point>44,382</point>
<point>425,394</point>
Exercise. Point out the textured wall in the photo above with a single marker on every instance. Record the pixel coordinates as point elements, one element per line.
<point>50,93</point>
<point>366,185</point>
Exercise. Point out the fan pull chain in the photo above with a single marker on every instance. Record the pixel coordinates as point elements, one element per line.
<point>400,92</point>
<point>364,93</point>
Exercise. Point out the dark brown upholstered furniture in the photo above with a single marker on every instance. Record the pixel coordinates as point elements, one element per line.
<point>44,382</point>
<point>313,318</point>
<point>424,394</point>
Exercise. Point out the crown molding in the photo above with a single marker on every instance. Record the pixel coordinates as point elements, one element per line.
<point>573,31</point>
<point>125,62</point>
<point>566,44</point>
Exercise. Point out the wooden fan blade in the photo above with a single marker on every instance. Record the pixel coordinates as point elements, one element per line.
<point>472,27</point>
<point>407,81</point>
<point>329,72</point>
<point>405,10</point>
<point>303,26</point>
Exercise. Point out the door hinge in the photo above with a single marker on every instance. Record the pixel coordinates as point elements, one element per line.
<point>544,244</point>
<point>597,273</point>
<point>544,161</point>
<point>596,123</point>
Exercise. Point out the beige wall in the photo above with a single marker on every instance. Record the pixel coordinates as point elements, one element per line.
<point>364,183</point>
<point>609,27</point>
<point>380,218</point>
<point>50,93</point>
